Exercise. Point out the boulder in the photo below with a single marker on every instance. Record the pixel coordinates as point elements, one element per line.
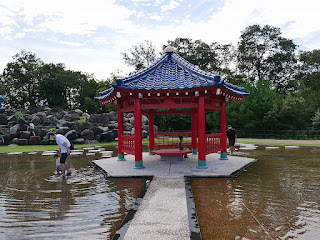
<point>23,142</point>
<point>77,111</point>
<point>22,122</point>
<point>85,116</point>
<point>131,121</point>
<point>104,129</point>
<point>59,115</point>
<point>15,141</point>
<point>67,117</point>
<point>24,135</point>
<point>13,118</point>
<point>14,130</point>
<point>42,116</point>
<point>94,118</point>
<point>145,120</point>
<point>3,119</point>
<point>41,132</point>
<point>96,130</point>
<point>91,142</point>
<point>36,120</point>
<point>112,116</point>
<point>144,134</point>
<point>87,134</point>
<point>52,120</point>
<point>35,140</point>
<point>126,127</point>
<point>64,130</point>
<point>104,119</point>
<point>74,116</point>
<point>71,135</point>
<point>115,133</point>
<point>78,141</point>
<point>2,110</point>
<point>107,137</point>
<point>6,139</point>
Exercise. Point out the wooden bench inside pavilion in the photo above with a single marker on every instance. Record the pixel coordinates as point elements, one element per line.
<point>172,85</point>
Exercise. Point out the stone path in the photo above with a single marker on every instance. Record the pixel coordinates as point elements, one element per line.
<point>163,212</point>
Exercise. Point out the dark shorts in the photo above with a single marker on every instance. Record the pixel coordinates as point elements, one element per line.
<point>231,143</point>
<point>63,157</point>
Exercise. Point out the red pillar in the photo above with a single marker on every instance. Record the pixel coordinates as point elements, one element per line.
<point>201,133</point>
<point>138,133</point>
<point>223,131</point>
<point>120,131</point>
<point>151,131</point>
<point>194,131</point>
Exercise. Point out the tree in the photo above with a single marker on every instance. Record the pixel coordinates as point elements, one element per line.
<point>140,56</point>
<point>264,54</point>
<point>309,77</point>
<point>60,87</point>
<point>20,80</point>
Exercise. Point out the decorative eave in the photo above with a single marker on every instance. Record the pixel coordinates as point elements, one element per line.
<point>169,73</point>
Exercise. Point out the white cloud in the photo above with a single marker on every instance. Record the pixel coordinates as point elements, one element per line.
<point>171,5</point>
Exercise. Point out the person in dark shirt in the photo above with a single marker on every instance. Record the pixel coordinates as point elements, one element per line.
<point>232,137</point>
<point>180,145</point>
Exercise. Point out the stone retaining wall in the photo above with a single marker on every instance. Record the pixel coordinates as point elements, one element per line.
<point>77,126</point>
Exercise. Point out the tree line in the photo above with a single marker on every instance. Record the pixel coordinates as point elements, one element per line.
<point>284,84</point>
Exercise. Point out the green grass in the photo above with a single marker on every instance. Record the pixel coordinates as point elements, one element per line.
<point>282,144</point>
<point>36,148</point>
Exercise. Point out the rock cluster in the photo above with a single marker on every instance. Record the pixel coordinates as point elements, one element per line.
<point>79,127</point>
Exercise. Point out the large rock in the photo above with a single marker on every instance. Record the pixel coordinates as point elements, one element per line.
<point>23,142</point>
<point>107,137</point>
<point>41,132</point>
<point>94,118</point>
<point>6,139</point>
<point>145,120</point>
<point>71,135</point>
<point>36,120</point>
<point>35,140</point>
<point>15,141</point>
<point>87,134</point>
<point>42,116</point>
<point>74,116</point>
<point>13,118</point>
<point>96,130</point>
<point>58,115</point>
<point>25,135</point>
<point>126,127</point>
<point>144,134</point>
<point>22,122</point>
<point>3,119</point>
<point>78,141</point>
<point>14,130</point>
<point>52,120</point>
<point>104,119</point>
<point>85,116</point>
<point>64,130</point>
<point>67,117</point>
<point>112,116</point>
<point>77,111</point>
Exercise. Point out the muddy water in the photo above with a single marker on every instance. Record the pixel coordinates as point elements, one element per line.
<point>35,203</point>
<point>276,198</point>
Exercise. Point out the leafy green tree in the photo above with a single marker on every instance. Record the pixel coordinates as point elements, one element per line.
<point>140,56</point>
<point>264,54</point>
<point>60,87</point>
<point>20,80</point>
<point>309,77</point>
<point>316,120</point>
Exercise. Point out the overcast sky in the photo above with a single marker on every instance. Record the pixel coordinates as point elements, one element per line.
<point>90,35</point>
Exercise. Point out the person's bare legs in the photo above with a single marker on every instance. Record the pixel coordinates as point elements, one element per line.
<point>231,150</point>
<point>64,167</point>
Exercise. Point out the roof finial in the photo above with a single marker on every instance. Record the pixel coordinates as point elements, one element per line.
<point>169,49</point>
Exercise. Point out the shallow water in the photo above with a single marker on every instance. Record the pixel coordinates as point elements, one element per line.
<point>35,203</point>
<point>276,198</point>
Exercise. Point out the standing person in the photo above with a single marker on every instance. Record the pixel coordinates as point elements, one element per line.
<point>232,137</point>
<point>31,128</point>
<point>180,145</point>
<point>64,151</point>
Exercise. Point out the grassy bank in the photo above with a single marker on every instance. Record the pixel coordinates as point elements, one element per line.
<point>36,148</point>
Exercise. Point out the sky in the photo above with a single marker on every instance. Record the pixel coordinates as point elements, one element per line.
<point>89,36</point>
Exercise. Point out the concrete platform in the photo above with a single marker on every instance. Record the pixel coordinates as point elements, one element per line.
<point>165,211</point>
<point>173,166</point>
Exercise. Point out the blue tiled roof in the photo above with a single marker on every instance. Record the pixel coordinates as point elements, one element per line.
<point>170,72</point>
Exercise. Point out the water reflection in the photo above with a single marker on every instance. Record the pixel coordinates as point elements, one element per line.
<point>35,203</point>
<point>277,197</point>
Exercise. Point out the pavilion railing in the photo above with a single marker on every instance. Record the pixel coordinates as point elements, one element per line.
<point>213,143</point>
<point>128,144</point>
<point>171,139</point>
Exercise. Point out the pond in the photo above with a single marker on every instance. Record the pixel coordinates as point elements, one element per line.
<point>278,197</point>
<point>35,203</point>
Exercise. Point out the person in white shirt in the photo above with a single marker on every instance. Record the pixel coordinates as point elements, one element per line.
<point>64,151</point>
